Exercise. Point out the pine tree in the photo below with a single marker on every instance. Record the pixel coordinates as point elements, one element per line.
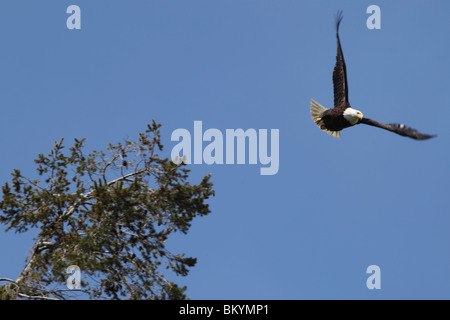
<point>108,213</point>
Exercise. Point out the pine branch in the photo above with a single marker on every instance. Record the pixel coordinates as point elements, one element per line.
<point>36,248</point>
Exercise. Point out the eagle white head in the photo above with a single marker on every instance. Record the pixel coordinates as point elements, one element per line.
<point>352,115</point>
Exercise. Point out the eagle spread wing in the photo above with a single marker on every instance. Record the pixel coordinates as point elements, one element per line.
<point>400,129</point>
<point>340,85</point>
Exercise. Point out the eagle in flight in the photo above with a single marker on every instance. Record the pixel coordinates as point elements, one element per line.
<point>342,116</point>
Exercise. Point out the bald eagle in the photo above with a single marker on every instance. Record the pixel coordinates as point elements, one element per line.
<point>342,116</point>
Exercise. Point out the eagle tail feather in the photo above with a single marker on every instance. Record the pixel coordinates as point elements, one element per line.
<point>317,111</point>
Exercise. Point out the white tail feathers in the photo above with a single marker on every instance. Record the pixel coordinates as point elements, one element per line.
<point>317,111</point>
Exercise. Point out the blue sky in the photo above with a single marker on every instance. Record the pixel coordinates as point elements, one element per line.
<point>334,207</point>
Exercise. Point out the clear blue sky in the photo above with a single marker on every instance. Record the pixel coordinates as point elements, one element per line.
<point>334,207</point>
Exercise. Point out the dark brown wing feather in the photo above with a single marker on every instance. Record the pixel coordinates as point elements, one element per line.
<point>340,86</point>
<point>400,129</point>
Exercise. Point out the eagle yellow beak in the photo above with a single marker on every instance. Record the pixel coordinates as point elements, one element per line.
<point>360,115</point>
